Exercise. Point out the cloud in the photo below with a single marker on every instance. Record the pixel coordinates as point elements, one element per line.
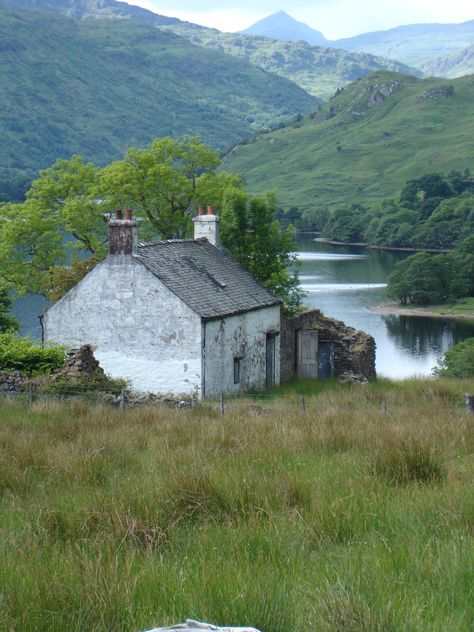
<point>335,18</point>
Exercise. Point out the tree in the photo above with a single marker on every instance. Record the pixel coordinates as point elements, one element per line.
<point>60,232</point>
<point>60,217</point>
<point>347,224</point>
<point>163,183</point>
<point>64,218</point>
<point>254,237</point>
<point>458,361</point>
<point>7,322</point>
<point>419,279</point>
<point>425,193</point>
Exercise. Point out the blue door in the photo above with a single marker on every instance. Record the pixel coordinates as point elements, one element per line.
<point>325,360</point>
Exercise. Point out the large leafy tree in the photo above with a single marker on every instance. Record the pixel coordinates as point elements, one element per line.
<point>163,182</point>
<point>60,232</point>
<point>64,218</point>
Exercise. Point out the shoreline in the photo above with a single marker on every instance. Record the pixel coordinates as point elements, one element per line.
<point>363,245</point>
<point>434,311</point>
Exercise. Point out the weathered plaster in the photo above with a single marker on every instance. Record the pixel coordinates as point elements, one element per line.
<point>242,336</point>
<point>140,330</point>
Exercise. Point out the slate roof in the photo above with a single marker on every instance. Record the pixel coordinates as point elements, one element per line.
<point>206,278</point>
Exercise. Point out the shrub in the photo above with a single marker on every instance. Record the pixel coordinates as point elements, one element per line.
<point>458,361</point>
<point>22,354</point>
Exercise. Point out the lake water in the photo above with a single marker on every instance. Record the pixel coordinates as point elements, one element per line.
<point>343,282</point>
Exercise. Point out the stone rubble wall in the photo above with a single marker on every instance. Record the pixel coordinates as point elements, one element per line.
<point>13,382</point>
<point>354,351</point>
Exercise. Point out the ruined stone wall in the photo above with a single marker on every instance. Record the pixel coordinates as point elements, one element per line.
<point>354,351</point>
<point>12,382</point>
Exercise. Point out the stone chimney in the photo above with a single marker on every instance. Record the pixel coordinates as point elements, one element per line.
<point>122,233</point>
<point>206,224</point>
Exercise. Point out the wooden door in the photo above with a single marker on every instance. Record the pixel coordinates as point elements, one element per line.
<point>307,352</point>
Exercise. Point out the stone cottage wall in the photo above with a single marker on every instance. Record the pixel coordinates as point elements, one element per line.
<point>139,329</point>
<point>354,351</point>
<point>242,336</point>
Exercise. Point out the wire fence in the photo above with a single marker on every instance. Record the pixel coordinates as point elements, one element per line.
<point>123,399</point>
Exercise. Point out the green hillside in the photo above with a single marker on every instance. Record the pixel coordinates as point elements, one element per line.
<point>94,87</point>
<point>363,146</point>
<point>319,70</point>
<point>101,9</point>
<point>456,64</point>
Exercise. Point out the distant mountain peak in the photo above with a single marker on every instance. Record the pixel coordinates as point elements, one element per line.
<point>281,25</point>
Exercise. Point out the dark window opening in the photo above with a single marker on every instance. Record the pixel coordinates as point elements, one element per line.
<point>236,370</point>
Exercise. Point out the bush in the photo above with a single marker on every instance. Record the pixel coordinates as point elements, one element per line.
<point>22,354</point>
<point>458,361</point>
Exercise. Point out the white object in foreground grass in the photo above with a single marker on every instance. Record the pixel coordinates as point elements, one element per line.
<point>192,626</point>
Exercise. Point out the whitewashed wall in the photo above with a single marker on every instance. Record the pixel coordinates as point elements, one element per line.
<point>140,330</point>
<point>241,336</point>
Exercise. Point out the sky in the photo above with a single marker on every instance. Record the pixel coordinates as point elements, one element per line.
<point>334,18</point>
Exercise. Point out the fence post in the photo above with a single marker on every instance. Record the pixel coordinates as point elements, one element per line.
<point>30,394</point>
<point>222,404</point>
<point>469,403</point>
<point>303,404</point>
<point>122,398</point>
<point>384,406</point>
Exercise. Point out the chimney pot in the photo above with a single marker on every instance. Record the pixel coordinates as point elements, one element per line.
<point>207,225</point>
<point>122,234</point>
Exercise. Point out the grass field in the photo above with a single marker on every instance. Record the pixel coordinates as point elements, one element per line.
<point>343,517</point>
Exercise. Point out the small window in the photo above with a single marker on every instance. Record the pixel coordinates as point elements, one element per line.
<point>236,370</point>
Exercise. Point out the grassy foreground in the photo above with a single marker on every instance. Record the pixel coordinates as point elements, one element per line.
<point>343,517</point>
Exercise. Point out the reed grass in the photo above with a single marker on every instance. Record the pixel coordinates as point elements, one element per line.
<point>349,516</point>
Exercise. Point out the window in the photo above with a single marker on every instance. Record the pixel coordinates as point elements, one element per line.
<point>236,370</point>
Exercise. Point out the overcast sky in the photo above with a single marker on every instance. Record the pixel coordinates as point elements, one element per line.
<point>335,18</point>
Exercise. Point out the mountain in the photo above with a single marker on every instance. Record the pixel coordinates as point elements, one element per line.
<point>282,26</point>
<point>365,143</point>
<point>454,65</point>
<point>413,44</point>
<point>319,70</point>
<point>94,87</point>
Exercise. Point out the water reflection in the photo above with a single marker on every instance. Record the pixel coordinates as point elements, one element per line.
<point>422,336</point>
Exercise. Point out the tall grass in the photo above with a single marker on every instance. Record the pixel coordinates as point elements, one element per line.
<point>340,518</point>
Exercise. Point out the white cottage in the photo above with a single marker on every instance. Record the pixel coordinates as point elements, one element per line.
<point>176,316</point>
